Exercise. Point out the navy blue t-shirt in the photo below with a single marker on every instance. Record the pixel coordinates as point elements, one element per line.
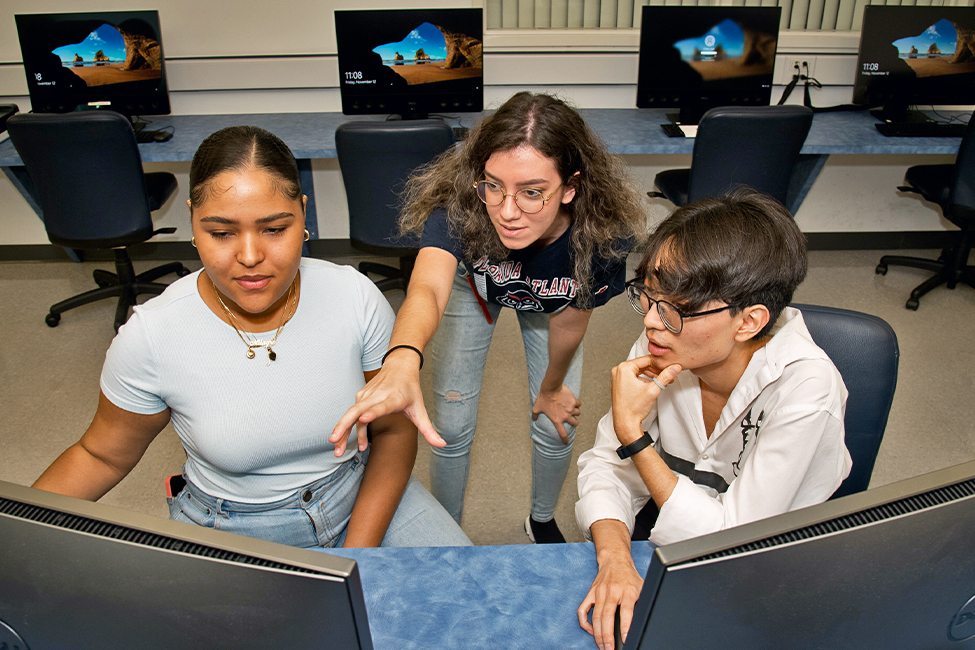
<point>532,279</point>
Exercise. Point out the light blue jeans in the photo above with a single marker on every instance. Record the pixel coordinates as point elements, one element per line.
<point>317,515</point>
<point>459,351</point>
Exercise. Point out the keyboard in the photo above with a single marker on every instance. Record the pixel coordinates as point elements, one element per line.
<point>922,129</point>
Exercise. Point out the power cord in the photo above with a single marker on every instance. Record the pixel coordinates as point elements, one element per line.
<point>802,74</point>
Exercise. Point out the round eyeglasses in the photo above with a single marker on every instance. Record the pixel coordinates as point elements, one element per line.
<point>670,316</point>
<point>528,200</point>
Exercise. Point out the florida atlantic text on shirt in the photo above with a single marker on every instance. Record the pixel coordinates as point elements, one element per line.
<point>531,279</point>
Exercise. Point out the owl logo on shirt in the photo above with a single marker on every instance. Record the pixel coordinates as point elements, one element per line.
<point>747,431</point>
<point>521,300</point>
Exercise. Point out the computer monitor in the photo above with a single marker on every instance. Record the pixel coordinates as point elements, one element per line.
<point>76,574</point>
<point>697,58</point>
<point>106,59</point>
<point>410,62</point>
<point>892,568</point>
<point>915,56</point>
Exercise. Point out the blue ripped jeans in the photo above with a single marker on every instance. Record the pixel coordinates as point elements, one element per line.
<point>317,515</point>
<point>459,352</point>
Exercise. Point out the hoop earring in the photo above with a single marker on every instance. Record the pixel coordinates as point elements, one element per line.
<point>193,242</point>
<point>307,235</point>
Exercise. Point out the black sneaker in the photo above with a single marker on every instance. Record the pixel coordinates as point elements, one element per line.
<point>543,532</point>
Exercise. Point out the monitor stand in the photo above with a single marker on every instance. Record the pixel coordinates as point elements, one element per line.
<point>687,115</point>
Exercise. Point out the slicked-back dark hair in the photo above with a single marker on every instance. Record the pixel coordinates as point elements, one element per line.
<point>741,249</point>
<point>236,148</point>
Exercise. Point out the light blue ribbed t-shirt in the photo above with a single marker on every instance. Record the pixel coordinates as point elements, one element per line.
<point>253,432</point>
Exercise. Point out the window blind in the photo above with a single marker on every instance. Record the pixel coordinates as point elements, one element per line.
<point>812,15</point>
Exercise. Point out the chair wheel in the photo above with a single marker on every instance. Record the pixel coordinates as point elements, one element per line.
<point>881,269</point>
<point>52,320</point>
<point>913,304</point>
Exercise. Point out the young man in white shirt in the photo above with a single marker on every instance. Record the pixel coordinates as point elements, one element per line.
<point>725,411</point>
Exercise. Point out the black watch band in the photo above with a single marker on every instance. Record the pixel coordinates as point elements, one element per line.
<point>638,445</point>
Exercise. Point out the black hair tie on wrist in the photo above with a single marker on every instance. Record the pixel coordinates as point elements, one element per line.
<point>397,347</point>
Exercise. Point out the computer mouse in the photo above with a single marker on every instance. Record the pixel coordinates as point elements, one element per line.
<point>163,136</point>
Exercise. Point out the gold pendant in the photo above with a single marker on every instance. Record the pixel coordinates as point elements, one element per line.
<point>250,353</point>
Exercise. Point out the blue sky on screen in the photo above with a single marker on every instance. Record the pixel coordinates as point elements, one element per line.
<point>106,38</point>
<point>942,32</point>
<point>426,36</point>
<point>727,33</point>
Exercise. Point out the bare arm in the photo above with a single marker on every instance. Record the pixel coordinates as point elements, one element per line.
<point>397,385</point>
<point>617,583</point>
<point>565,332</point>
<point>113,444</point>
<point>387,473</point>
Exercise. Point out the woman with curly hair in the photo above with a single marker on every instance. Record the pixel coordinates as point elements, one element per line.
<point>530,213</point>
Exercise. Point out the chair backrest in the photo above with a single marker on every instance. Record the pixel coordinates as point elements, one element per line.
<point>88,175</point>
<point>755,146</point>
<point>376,158</point>
<point>864,349</point>
<point>963,191</point>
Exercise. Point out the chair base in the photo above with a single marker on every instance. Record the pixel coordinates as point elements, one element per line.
<point>945,272</point>
<point>395,278</point>
<point>124,284</point>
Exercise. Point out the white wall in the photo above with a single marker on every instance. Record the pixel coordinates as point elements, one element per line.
<point>255,57</point>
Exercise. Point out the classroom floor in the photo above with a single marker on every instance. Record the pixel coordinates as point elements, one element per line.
<point>49,385</point>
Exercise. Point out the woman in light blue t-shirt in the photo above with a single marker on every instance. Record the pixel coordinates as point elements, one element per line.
<point>253,360</point>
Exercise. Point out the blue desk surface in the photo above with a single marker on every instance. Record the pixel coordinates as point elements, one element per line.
<point>624,130</point>
<point>522,596</point>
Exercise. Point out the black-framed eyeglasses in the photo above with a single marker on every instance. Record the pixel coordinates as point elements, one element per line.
<point>528,200</point>
<point>670,316</point>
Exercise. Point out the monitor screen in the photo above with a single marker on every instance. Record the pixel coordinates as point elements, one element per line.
<point>111,59</point>
<point>697,58</point>
<point>411,62</point>
<point>77,574</point>
<point>915,56</point>
<point>890,568</point>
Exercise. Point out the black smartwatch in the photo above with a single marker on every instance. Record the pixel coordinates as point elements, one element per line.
<point>638,445</point>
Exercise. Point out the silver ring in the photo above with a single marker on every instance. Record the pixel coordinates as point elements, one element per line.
<point>654,380</point>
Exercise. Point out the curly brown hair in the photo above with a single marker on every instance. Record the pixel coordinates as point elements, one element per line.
<point>606,213</point>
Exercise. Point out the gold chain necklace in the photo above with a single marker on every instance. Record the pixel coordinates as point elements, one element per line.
<point>252,343</point>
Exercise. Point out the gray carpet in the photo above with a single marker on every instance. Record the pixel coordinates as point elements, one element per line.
<point>49,385</point>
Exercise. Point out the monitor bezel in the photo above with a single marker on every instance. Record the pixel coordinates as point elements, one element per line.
<point>881,25</point>
<point>57,521</point>
<point>693,101</point>
<point>130,98</point>
<point>411,102</point>
<point>823,522</point>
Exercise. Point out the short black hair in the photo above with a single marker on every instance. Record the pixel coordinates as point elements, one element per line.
<point>238,147</point>
<point>742,249</point>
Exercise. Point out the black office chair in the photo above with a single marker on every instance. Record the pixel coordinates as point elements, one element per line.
<point>952,187</point>
<point>6,110</point>
<point>94,195</point>
<point>754,146</point>
<point>376,158</point>
<point>864,349</point>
